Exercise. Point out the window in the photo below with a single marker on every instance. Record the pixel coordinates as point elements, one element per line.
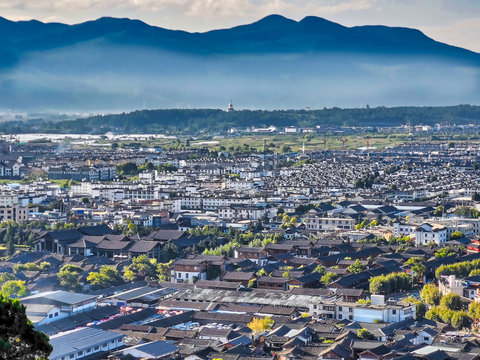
<point>97,348</point>
<point>105,345</point>
<point>394,312</point>
<point>56,314</point>
<point>50,316</point>
<point>71,356</point>
<point>80,353</point>
<point>350,317</point>
<point>340,316</point>
<point>113,341</point>
<point>426,338</point>
<point>339,308</point>
<point>88,350</point>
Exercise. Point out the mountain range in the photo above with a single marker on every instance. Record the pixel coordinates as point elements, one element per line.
<point>112,64</point>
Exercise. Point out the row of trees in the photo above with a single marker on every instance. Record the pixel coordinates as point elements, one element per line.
<point>190,121</point>
<point>141,267</point>
<point>460,269</point>
<point>390,283</point>
<point>131,169</point>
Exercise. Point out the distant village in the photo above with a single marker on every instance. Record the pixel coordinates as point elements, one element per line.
<point>152,253</point>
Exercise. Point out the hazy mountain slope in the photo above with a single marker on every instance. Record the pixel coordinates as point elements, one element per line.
<point>122,64</point>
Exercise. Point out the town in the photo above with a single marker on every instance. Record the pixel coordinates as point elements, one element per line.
<point>120,249</point>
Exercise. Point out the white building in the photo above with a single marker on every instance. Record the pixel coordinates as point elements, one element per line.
<point>83,343</point>
<point>388,312</point>
<point>427,233</point>
<point>316,223</point>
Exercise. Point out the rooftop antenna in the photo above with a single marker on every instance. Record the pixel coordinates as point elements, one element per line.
<point>303,148</point>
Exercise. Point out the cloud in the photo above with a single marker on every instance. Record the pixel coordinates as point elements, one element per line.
<point>209,8</point>
<point>463,33</point>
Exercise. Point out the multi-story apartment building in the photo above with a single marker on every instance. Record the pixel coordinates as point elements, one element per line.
<point>388,312</point>
<point>316,223</point>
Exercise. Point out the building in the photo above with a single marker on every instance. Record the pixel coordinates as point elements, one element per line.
<point>388,312</point>
<point>50,306</point>
<point>82,173</point>
<point>153,350</point>
<point>427,233</point>
<point>84,343</point>
<point>316,223</point>
<point>16,213</point>
<point>196,268</point>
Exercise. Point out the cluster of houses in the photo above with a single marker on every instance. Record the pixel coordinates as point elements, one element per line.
<point>349,215</point>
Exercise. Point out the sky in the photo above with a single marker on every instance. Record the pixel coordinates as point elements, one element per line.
<point>455,22</point>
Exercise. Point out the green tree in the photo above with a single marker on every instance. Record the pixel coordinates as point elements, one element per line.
<point>460,319</point>
<point>474,310</point>
<point>259,325</point>
<point>451,301</point>
<point>444,252</point>
<point>106,277</point>
<point>328,277</point>
<point>456,235</point>
<point>18,338</point>
<point>420,308</point>
<point>364,334</point>
<point>356,267</point>
<point>4,277</point>
<point>69,276</point>
<point>140,268</point>
<point>163,270</point>
<point>430,294</point>
<point>474,272</point>
<point>13,288</point>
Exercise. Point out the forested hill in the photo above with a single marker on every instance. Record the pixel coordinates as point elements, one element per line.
<point>192,121</point>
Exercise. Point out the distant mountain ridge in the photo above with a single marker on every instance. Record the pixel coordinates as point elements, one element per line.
<point>49,65</point>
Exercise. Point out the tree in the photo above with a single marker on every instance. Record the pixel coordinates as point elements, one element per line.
<point>356,267</point>
<point>451,301</point>
<point>328,277</point>
<point>420,307</point>
<point>106,277</point>
<point>13,288</point>
<point>18,338</point>
<point>69,276</point>
<point>319,269</point>
<point>474,272</point>
<point>430,294</point>
<point>433,314</point>
<point>460,319</point>
<point>10,247</point>
<point>417,267</point>
<point>364,334</point>
<point>444,252</point>
<point>259,325</point>
<point>4,277</point>
<point>163,270</point>
<point>394,282</point>
<point>140,268</point>
<point>474,310</point>
<point>456,235</point>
